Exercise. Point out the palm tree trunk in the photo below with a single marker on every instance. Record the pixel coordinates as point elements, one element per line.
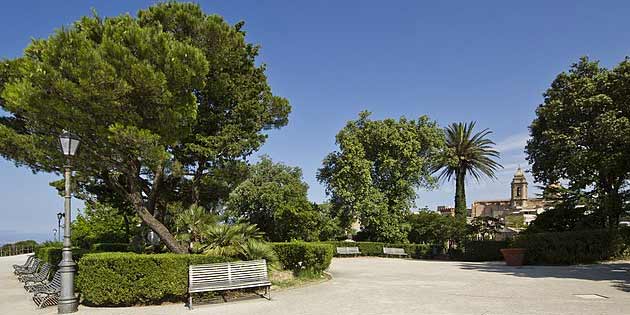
<point>460,195</point>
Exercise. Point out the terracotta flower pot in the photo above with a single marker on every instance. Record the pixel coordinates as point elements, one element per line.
<point>513,256</point>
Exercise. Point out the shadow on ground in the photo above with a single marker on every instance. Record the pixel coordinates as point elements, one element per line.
<point>618,273</point>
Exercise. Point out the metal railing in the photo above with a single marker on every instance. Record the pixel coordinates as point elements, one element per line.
<point>15,250</point>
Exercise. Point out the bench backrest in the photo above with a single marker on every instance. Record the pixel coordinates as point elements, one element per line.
<point>348,250</point>
<point>230,272</point>
<point>394,251</point>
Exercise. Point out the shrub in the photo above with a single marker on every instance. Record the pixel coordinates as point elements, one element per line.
<point>480,251</point>
<point>574,247</point>
<point>414,250</point>
<point>52,255</point>
<point>118,279</point>
<point>110,247</point>
<point>301,256</point>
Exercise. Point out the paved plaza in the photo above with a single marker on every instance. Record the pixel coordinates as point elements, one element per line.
<point>398,286</point>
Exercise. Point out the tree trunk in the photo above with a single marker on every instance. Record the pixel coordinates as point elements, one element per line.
<point>460,195</point>
<point>165,235</point>
<point>133,193</point>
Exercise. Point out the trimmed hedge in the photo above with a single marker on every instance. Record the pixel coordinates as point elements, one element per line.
<point>52,255</point>
<point>376,248</point>
<point>482,250</point>
<point>302,256</point>
<point>122,279</point>
<point>574,247</point>
<point>110,247</point>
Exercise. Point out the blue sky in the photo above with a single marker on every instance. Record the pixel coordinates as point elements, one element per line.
<point>488,61</point>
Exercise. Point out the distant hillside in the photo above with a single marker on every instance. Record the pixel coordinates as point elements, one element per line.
<point>14,236</point>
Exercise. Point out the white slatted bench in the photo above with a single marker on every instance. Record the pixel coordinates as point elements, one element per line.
<point>228,276</point>
<point>394,251</point>
<point>348,251</point>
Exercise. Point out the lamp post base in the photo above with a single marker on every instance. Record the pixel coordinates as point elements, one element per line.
<point>67,306</point>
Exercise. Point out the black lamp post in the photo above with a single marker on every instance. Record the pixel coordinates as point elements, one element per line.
<point>68,302</point>
<point>60,216</point>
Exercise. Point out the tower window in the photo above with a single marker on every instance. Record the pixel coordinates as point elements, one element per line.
<point>518,191</point>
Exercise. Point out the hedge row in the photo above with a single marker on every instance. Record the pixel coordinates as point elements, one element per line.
<point>120,279</point>
<point>302,256</point>
<point>574,247</point>
<point>110,247</point>
<point>481,251</point>
<point>52,255</point>
<point>376,248</point>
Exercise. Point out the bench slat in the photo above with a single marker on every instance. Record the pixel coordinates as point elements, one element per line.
<point>230,275</point>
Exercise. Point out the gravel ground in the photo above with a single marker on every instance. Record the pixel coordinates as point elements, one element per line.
<point>399,286</point>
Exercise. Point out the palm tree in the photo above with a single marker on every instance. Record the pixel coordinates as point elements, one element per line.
<point>467,154</point>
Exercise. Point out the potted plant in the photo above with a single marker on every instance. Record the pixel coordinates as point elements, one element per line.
<point>513,256</point>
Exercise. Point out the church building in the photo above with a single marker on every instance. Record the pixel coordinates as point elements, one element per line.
<point>518,204</point>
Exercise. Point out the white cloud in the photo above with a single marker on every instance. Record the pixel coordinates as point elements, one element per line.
<point>513,142</point>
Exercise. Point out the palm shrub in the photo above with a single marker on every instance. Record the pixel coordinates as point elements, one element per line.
<point>467,153</point>
<point>241,240</point>
<point>191,225</point>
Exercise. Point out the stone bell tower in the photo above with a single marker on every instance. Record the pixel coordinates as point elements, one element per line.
<point>519,189</point>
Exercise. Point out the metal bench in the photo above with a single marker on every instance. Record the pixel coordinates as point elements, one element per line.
<point>348,251</point>
<point>47,294</point>
<point>228,276</point>
<point>28,262</point>
<point>30,284</point>
<point>32,269</point>
<point>47,286</point>
<point>31,266</point>
<point>394,251</point>
<point>42,274</point>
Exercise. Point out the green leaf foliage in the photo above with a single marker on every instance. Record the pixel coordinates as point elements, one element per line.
<point>52,255</point>
<point>581,135</point>
<point>574,247</point>
<point>429,227</point>
<point>110,247</point>
<point>374,174</point>
<point>101,224</point>
<point>487,250</point>
<point>119,279</point>
<point>304,257</point>
<point>468,153</point>
<point>274,197</point>
<point>167,105</point>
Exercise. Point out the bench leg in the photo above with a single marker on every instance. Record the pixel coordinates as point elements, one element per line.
<point>190,306</point>
<point>268,292</point>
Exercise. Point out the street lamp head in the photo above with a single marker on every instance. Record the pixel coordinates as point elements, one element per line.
<point>59,216</point>
<point>69,143</point>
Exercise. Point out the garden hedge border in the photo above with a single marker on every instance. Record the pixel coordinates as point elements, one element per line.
<point>124,279</point>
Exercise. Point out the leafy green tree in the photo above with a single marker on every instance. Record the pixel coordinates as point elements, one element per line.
<point>569,210</point>
<point>581,135</point>
<point>274,197</point>
<point>515,221</point>
<point>162,103</point>
<point>430,227</point>
<point>329,226</point>
<point>374,175</point>
<point>468,153</point>
<point>101,224</point>
<point>486,227</point>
